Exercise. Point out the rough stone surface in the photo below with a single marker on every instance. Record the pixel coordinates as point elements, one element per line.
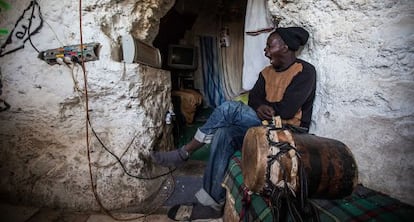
<point>362,49</point>
<point>43,151</point>
<point>363,53</point>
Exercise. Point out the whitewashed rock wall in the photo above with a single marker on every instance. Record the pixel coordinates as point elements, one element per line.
<point>362,49</point>
<point>43,152</point>
<point>363,53</point>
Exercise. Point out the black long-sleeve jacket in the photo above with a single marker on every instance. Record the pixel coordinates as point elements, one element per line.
<point>290,92</point>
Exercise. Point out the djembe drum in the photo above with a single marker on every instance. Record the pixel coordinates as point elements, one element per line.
<point>275,159</point>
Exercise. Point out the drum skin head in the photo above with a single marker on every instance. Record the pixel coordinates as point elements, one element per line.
<point>254,158</point>
<point>255,153</point>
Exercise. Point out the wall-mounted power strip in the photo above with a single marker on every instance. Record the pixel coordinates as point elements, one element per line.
<point>71,54</point>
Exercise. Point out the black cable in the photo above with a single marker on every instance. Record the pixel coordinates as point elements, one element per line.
<point>87,124</point>
<point>75,59</point>
<point>122,165</point>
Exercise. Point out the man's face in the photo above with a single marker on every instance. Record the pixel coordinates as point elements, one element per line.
<point>275,49</point>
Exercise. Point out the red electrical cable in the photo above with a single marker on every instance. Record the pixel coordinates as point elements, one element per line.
<point>85,80</point>
<point>87,122</point>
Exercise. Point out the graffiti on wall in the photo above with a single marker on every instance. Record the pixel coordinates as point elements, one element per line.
<point>3,104</point>
<point>29,24</point>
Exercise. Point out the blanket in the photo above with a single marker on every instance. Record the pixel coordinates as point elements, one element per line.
<point>362,205</point>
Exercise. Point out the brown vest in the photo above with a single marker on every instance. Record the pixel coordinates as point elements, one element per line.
<point>276,84</point>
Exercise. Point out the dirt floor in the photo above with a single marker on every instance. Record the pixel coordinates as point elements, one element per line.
<point>187,181</point>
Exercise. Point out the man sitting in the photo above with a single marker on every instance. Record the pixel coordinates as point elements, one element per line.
<point>286,88</point>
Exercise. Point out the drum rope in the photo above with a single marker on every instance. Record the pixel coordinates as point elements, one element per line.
<point>284,192</point>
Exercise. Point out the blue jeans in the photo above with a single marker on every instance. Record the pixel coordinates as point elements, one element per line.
<point>225,129</point>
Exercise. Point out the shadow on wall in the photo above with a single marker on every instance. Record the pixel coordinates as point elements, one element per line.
<point>3,104</point>
<point>172,28</point>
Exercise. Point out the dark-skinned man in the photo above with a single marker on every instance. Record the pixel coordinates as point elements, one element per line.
<point>285,88</point>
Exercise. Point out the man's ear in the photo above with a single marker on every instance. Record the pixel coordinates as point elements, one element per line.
<point>285,48</point>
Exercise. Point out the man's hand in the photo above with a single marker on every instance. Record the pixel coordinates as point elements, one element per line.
<point>265,112</point>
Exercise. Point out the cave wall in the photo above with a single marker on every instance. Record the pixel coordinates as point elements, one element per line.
<point>363,54</point>
<point>43,151</point>
<point>362,50</point>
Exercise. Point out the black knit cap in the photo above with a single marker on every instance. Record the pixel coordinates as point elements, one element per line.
<point>294,37</point>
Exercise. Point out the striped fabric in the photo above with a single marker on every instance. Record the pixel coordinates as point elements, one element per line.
<point>212,88</point>
<point>233,183</point>
<point>363,205</point>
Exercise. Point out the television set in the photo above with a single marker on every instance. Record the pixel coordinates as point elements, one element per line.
<point>183,57</point>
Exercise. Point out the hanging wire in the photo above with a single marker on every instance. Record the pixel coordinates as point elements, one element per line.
<point>87,124</point>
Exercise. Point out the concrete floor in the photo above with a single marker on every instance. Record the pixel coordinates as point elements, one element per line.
<point>187,182</point>
<point>12,213</point>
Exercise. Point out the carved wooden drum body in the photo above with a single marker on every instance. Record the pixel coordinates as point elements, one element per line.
<point>329,166</point>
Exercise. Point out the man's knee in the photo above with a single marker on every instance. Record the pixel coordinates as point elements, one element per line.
<point>229,137</point>
<point>230,105</point>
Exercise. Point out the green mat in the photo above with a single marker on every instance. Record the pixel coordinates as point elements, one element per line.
<point>363,204</point>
